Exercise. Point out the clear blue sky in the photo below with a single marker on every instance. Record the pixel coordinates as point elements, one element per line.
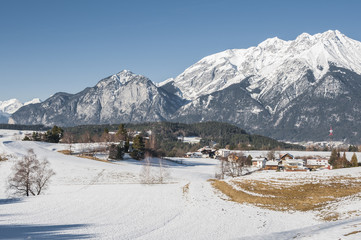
<point>67,45</point>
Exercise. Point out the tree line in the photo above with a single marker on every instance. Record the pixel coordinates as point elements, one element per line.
<point>164,138</point>
<point>338,161</point>
<point>161,138</point>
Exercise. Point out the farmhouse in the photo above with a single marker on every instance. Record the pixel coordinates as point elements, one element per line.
<point>293,165</point>
<point>226,152</point>
<point>259,162</point>
<point>271,165</point>
<point>223,152</point>
<point>289,163</point>
<point>318,163</point>
<point>193,154</point>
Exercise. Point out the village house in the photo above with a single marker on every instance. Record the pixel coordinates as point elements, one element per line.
<point>271,165</point>
<point>293,165</point>
<point>289,163</point>
<point>223,152</point>
<point>226,152</point>
<point>318,163</point>
<point>193,155</point>
<point>259,162</point>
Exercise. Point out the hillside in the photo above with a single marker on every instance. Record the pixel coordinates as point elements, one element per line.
<point>90,199</point>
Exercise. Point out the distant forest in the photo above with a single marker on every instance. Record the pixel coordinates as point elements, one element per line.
<point>165,136</point>
<point>24,127</point>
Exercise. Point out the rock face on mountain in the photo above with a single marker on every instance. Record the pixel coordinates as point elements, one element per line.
<point>290,90</point>
<point>123,97</point>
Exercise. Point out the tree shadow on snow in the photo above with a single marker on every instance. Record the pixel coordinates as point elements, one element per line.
<point>41,232</point>
<point>10,201</point>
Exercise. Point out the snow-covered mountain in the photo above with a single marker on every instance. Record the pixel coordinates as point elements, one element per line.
<point>12,105</point>
<point>284,89</point>
<point>123,97</point>
<point>272,62</point>
<point>8,107</point>
<point>270,81</point>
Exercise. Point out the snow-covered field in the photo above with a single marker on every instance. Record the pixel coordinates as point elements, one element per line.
<point>99,200</point>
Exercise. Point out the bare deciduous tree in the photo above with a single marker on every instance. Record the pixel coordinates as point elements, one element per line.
<point>234,166</point>
<point>271,155</point>
<point>147,176</point>
<point>69,139</point>
<point>30,176</point>
<point>163,172</point>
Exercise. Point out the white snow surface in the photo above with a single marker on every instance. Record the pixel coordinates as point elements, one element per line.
<point>90,199</point>
<point>272,62</point>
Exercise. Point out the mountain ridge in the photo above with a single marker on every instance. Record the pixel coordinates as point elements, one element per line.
<point>265,89</point>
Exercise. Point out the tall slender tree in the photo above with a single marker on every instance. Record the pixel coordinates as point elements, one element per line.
<point>354,161</point>
<point>333,158</point>
<point>138,148</point>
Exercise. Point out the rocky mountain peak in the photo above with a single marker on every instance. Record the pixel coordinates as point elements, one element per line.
<point>271,62</point>
<point>285,89</point>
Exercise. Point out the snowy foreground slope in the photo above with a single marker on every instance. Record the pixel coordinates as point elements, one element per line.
<point>98,200</point>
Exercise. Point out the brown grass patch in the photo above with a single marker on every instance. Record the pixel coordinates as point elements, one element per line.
<point>186,188</point>
<point>302,195</point>
<point>66,152</point>
<point>93,158</point>
<point>351,233</point>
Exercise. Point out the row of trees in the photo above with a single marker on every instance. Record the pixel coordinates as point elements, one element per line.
<point>136,151</point>
<point>350,148</point>
<point>162,138</point>
<point>338,161</point>
<point>53,135</point>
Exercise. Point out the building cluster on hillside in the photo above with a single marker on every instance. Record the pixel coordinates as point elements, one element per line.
<point>204,152</point>
<point>322,145</point>
<point>284,162</point>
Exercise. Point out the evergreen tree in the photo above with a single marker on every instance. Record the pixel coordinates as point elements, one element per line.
<point>345,162</point>
<point>352,148</point>
<point>116,152</point>
<point>138,148</point>
<point>333,158</point>
<point>126,146</point>
<point>36,136</point>
<point>354,161</point>
<point>122,133</point>
<point>26,138</point>
<point>54,135</point>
